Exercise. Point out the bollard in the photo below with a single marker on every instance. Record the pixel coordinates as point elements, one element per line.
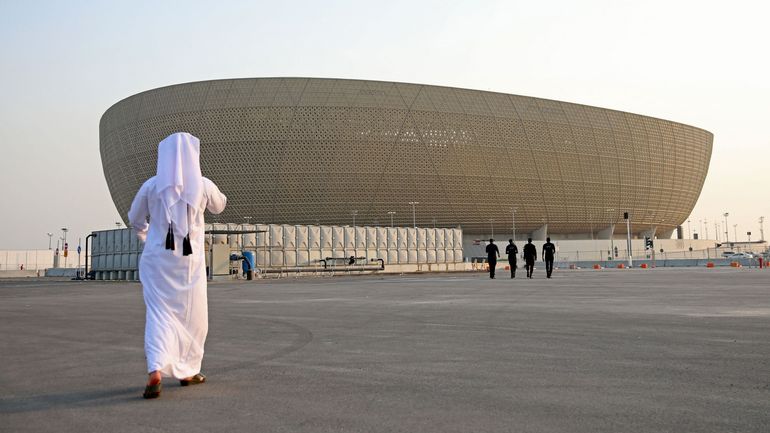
<point>621,266</point>
<point>596,266</point>
<point>643,266</point>
<point>709,264</point>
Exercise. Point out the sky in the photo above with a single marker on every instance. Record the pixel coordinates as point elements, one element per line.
<point>702,63</point>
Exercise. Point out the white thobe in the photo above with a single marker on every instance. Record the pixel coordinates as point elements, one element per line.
<point>174,285</point>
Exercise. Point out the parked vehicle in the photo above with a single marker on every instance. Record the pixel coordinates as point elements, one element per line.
<point>740,256</point>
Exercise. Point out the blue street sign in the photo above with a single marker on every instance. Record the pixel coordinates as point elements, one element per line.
<point>78,249</point>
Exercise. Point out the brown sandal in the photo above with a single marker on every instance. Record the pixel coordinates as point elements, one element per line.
<point>195,380</point>
<point>152,391</point>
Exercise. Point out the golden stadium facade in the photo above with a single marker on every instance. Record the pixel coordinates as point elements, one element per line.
<point>328,151</point>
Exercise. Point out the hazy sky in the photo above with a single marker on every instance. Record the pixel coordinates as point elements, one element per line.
<point>703,63</point>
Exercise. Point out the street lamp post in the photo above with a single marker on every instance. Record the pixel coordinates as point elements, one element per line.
<point>705,229</point>
<point>612,240</point>
<point>689,230</point>
<point>735,231</point>
<point>50,235</point>
<point>391,213</point>
<point>761,229</point>
<point>414,212</point>
<point>354,213</point>
<point>64,245</point>
<point>492,225</point>
<point>727,228</point>
<point>513,222</point>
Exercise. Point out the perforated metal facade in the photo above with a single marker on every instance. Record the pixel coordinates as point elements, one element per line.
<point>312,151</point>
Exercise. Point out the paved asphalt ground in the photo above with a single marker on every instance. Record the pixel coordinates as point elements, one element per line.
<point>663,350</point>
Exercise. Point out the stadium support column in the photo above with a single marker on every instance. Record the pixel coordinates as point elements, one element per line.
<point>541,233</point>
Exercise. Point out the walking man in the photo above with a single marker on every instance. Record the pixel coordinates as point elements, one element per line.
<point>530,255</point>
<point>549,251</point>
<point>173,265</point>
<point>492,254</point>
<point>512,251</point>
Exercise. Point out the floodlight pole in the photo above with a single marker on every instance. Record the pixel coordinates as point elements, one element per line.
<point>628,239</point>
<point>414,212</point>
<point>391,213</point>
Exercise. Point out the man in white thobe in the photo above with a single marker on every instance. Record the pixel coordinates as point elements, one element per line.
<point>172,267</point>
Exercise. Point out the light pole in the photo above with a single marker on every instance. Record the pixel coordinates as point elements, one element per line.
<point>612,230</point>
<point>705,229</point>
<point>50,235</point>
<point>513,222</point>
<point>689,230</point>
<point>414,212</point>
<point>247,219</point>
<point>761,229</point>
<point>748,234</point>
<point>434,223</point>
<point>727,228</point>
<point>492,225</point>
<point>735,228</point>
<point>717,230</point>
<point>391,213</point>
<point>354,213</point>
<point>64,240</point>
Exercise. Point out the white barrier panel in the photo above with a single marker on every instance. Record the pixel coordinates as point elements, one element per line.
<point>263,241</point>
<point>392,238</point>
<point>403,256</point>
<point>125,242</point>
<point>289,237</point>
<point>276,245</point>
<point>110,242</point>
<point>361,238</point>
<point>457,234</point>
<point>314,237</point>
<point>382,238</point>
<point>412,256</point>
<point>449,238</point>
<point>392,258</point>
<point>402,241</point>
<point>234,239</point>
<point>276,236</point>
<point>450,256</point>
<point>440,256</point>
<point>338,239</point>
<point>411,237</point>
<point>431,239</point>
<point>314,241</point>
<point>101,239</point>
<point>422,238</point>
<point>133,262</point>
<point>422,256</point>
<point>350,240</point>
<point>458,256</point>
<point>303,241</point>
<point>303,257</point>
<point>249,239</point>
<point>431,256</point>
<point>372,254</point>
<point>371,238</point>
<point>108,262</point>
<point>440,239</point>
<point>125,261</point>
<point>133,242</point>
<point>219,239</point>
<point>327,238</point>
<point>290,245</point>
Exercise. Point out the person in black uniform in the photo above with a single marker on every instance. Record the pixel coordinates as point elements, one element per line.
<point>530,255</point>
<point>492,254</point>
<point>511,250</point>
<point>549,251</point>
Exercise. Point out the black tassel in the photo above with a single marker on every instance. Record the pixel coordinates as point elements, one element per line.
<point>170,239</point>
<point>186,246</point>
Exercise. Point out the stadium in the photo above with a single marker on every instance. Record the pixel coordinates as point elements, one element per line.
<point>355,152</point>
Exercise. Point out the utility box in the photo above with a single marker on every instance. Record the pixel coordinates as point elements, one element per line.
<point>220,260</point>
